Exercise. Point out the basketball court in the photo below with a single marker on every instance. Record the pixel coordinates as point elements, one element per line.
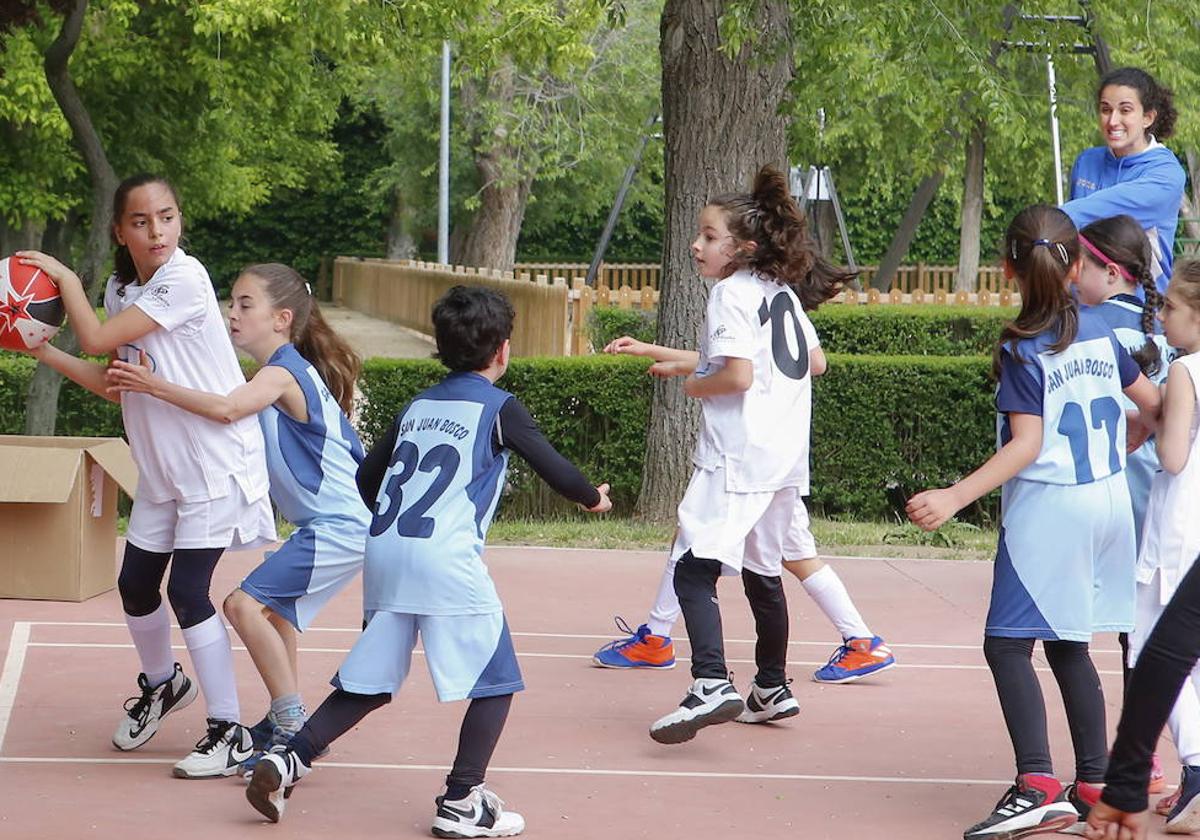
<point>917,752</point>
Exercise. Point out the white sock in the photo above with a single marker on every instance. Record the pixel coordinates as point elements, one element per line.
<point>212,658</point>
<point>152,638</point>
<point>826,588</point>
<point>665,611</point>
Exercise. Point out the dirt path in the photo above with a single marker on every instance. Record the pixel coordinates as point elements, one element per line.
<point>372,337</point>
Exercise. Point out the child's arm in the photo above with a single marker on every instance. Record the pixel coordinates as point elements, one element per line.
<point>96,337</point>
<point>374,467</point>
<point>933,507</point>
<point>631,346</point>
<point>1176,424</point>
<point>517,430</point>
<point>90,375</point>
<point>267,386</point>
<point>734,377</point>
<point>817,363</point>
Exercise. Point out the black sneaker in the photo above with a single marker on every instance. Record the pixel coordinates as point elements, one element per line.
<point>478,814</point>
<point>219,753</point>
<point>272,781</point>
<point>709,701</point>
<point>1082,807</point>
<point>1025,810</point>
<point>143,712</point>
<point>764,705</point>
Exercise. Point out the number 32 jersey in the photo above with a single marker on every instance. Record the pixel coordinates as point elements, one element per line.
<point>435,503</point>
<point>759,437</point>
<point>1077,393</point>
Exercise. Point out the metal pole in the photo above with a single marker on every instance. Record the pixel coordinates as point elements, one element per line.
<point>1058,176</point>
<point>444,163</point>
<point>618,202</point>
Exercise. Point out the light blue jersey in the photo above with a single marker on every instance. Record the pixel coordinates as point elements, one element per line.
<point>436,502</point>
<point>1064,564</point>
<point>1123,313</point>
<point>312,465</point>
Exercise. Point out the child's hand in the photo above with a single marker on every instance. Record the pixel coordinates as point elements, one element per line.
<point>53,269</point>
<point>627,345</point>
<point>122,376</point>
<point>1136,432</point>
<point>1105,822</point>
<point>928,510</point>
<point>605,503</point>
<point>666,370</point>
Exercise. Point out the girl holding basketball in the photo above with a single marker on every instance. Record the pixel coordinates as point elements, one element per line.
<point>1064,565</point>
<point>202,485</point>
<point>301,395</point>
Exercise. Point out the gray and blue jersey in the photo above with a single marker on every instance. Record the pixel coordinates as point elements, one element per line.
<point>312,467</point>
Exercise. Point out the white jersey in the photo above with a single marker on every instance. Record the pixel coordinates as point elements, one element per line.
<point>760,437</point>
<point>182,456</point>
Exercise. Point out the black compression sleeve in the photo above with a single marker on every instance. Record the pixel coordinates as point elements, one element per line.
<point>374,467</point>
<point>516,430</point>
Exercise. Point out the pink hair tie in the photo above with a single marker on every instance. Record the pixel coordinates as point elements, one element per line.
<point>1098,254</point>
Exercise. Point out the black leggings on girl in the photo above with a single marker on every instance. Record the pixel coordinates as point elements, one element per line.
<point>696,587</point>
<point>477,739</point>
<point>140,582</point>
<point>1025,710</point>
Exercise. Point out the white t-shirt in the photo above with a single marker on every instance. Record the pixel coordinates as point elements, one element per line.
<point>182,456</point>
<point>761,436</point>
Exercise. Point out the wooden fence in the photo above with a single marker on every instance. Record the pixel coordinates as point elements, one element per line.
<point>553,315</point>
<point>909,278</point>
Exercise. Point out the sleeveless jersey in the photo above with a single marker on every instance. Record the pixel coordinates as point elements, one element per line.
<point>1078,395</point>
<point>436,502</point>
<point>312,464</point>
<point>760,437</point>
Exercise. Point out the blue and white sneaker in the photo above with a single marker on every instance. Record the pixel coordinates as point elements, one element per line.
<point>642,649</point>
<point>855,659</point>
<point>262,731</point>
<point>1185,816</point>
<point>271,785</point>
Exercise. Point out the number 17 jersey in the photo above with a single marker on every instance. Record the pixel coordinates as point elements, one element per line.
<point>1077,393</point>
<point>436,501</point>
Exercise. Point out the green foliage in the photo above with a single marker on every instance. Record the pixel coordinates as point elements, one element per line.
<point>609,322</point>
<point>924,330</point>
<point>80,412</point>
<point>594,409</point>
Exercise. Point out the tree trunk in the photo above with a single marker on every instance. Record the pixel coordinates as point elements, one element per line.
<point>721,122</point>
<point>42,403</point>
<point>897,250</point>
<point>400,242</point>
<point>1192,209</point>
<point>491,241</point>
<point>972,212</point>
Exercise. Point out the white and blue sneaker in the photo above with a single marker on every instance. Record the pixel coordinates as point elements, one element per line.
<point>271,785</point>
<point>1185,816</point>
<point>764,705</point>
<point>478,814</point>
<point>144,712</point>
<point>219,753</point>
<point>709,701</point>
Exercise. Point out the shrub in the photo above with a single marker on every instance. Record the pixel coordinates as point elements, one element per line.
<point>608,322</point>
<point>916,330</point>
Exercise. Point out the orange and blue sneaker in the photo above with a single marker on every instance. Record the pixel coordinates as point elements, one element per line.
<point>642,649</point>
<point>855,659</point>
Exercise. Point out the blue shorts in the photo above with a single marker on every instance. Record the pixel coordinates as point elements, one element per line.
<point>468,656</point>
<point>315,563</point>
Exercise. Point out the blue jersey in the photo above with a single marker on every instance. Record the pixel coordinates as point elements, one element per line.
<point>435,504</point>
<point>312,464</point>
<point>1077,393</point>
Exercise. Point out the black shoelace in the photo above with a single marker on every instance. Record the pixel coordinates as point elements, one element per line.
<point>216,731</point>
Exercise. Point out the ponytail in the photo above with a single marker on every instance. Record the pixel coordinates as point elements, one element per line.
<point>782,249</point>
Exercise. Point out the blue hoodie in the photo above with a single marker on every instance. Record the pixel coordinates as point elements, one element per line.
<point>1147,186</point>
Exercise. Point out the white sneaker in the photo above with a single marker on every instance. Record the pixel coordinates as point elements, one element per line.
<point>143,712</point>
<point>272,781</point>
<point>764,705</point>
<point>709,701</point>
<point>478,814</point>
<point>219,753</point>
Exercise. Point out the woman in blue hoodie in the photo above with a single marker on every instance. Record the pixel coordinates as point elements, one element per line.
<point>1133,173</point>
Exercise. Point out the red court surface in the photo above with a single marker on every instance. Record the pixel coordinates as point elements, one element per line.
<point>917,752</point>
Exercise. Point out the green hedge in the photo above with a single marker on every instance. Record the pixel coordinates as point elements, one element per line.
<point>608,322</point>
<point>883,427</point>
<point>916,330</point>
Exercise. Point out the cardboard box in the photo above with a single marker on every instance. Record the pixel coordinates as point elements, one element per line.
<point>58,515</point>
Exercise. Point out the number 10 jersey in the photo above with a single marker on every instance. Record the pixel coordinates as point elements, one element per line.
<point>436,501</point>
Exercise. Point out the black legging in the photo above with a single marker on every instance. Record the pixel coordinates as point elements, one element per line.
<point>1025,709</point>
<point>1162,668</point>
<point>140,582</point>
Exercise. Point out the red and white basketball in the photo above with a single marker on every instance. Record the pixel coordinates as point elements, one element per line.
<point>31,310</point>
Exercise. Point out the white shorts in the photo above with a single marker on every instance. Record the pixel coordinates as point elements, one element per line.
<point>468,656</point>
<point>756,531</point>
<point>233,522</point>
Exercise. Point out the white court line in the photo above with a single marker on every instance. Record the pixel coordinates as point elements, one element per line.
<point>11,675</point>
<point>586,636</point>
<point>536,655</point>
<point>563,771</point>
<point>666,549</point>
